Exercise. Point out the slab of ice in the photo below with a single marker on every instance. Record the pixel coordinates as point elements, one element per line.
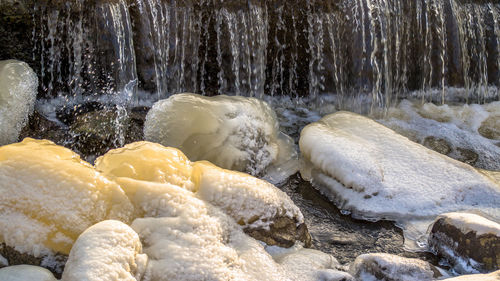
<point>376,173</point>
<point>25,273</point>
<point>236,133</point>
<point>18,89</point>
<point>467,127</point>
<point>107,251</point>
<point>48,196</point>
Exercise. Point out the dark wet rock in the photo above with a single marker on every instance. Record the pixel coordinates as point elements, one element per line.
<point>135,129</point>
<point>392,268</point>
<point>283,232</point>
<point>493,276</point>
<point>467,156</point>
<point>468,242</point>
<point>68,113</point>
<point>437,144</point>
<point>490,128</point>
<point>53,263</point>
<point>40,127</point>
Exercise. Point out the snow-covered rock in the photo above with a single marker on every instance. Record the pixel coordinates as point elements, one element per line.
<point>391,268</point>
<point>493,276</point>
<point>18,89</point>
<point>107,251</point>
<point>48,197</point>
<point>237,133</point>
<point>469,242</point>
<point>375,173</point>
<point>147,170</point>
<point>25,273</point>
<point>470,132</point>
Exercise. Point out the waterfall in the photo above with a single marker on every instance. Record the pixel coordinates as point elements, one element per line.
<point>381,50</point>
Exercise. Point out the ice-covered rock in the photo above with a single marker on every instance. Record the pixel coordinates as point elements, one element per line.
<point>236,133</point>
<point>18,89</point>
<point>48,197</point>
<point>376,173</point>
<point>468,133</point>
<point>469,242</point>
<point>493,276</point>
<point>107,251</point>
<point>142,169</point>
<point>25,273</point>
<point>391,268</point>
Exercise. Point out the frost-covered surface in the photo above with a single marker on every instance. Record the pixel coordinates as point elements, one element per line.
<point>467,222</point>
<point>3,261</point>
<point>48,196</point>
<point>237,133</point>
<point>370,267</point>
<point>493,276</point>
<point>142,165</point>
<point>376,173</point>
<point>18,89</point>
<point>107,251</point>
<point>465,127</point>
<point>25,273</point>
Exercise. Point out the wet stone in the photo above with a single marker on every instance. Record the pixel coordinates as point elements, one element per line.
<point>437,144</point>
<point>468,242</point>
<point>283,232</point>
<point>53,263</point>
<point>467,156</point>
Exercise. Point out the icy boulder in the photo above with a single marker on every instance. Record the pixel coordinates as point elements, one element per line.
<point>392,267</point>
<point>468,133</point>
<point>18,89</point>
<point>376,173</point>
<point>107,251</point>
<point>469,242</point>
<point>48,196</point>
<point>25,273</point>
<point>147,170</point>
<point>236,133</point>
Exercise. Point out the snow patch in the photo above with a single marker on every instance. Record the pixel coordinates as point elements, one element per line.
<point>233,132</point>
<point>467,222</point>
<point>18,89</point>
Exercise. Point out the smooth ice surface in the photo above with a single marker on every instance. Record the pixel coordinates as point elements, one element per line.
<point>237,133</point>
<point>107,251</point>
<point>493,276</point>
<point>250,201</point>
<point>48,196</point>
<point>472,223</point>
<point>18,89</point>
<point>377,173</point>
<point>25,273</point>
<point>392,267</point>
<point>471,127</point>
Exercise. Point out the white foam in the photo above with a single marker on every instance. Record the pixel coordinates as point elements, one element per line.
<point>237,133</point>
<point>18,89</point>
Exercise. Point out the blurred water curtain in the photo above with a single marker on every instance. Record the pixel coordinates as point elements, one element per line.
<point>381,49</point>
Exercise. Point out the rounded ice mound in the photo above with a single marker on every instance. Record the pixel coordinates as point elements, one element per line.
<point>48,196</point>
<point>143,168</point>
<point>25,273</point>
<point>376,173</point>
<point>107,251</point>
<point>233,132</point>
<point>18,89</point>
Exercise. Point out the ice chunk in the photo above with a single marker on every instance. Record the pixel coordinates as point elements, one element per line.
<point>48,196</point>
<point>18,89</point>
<point>25,273</point>
<point>494,276</point>
<point>469,131</point>
<point>141,168</point>
<point>236,133</point>
<point>392,267</point>
<point>376,173</point>
<point>107,251</point>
